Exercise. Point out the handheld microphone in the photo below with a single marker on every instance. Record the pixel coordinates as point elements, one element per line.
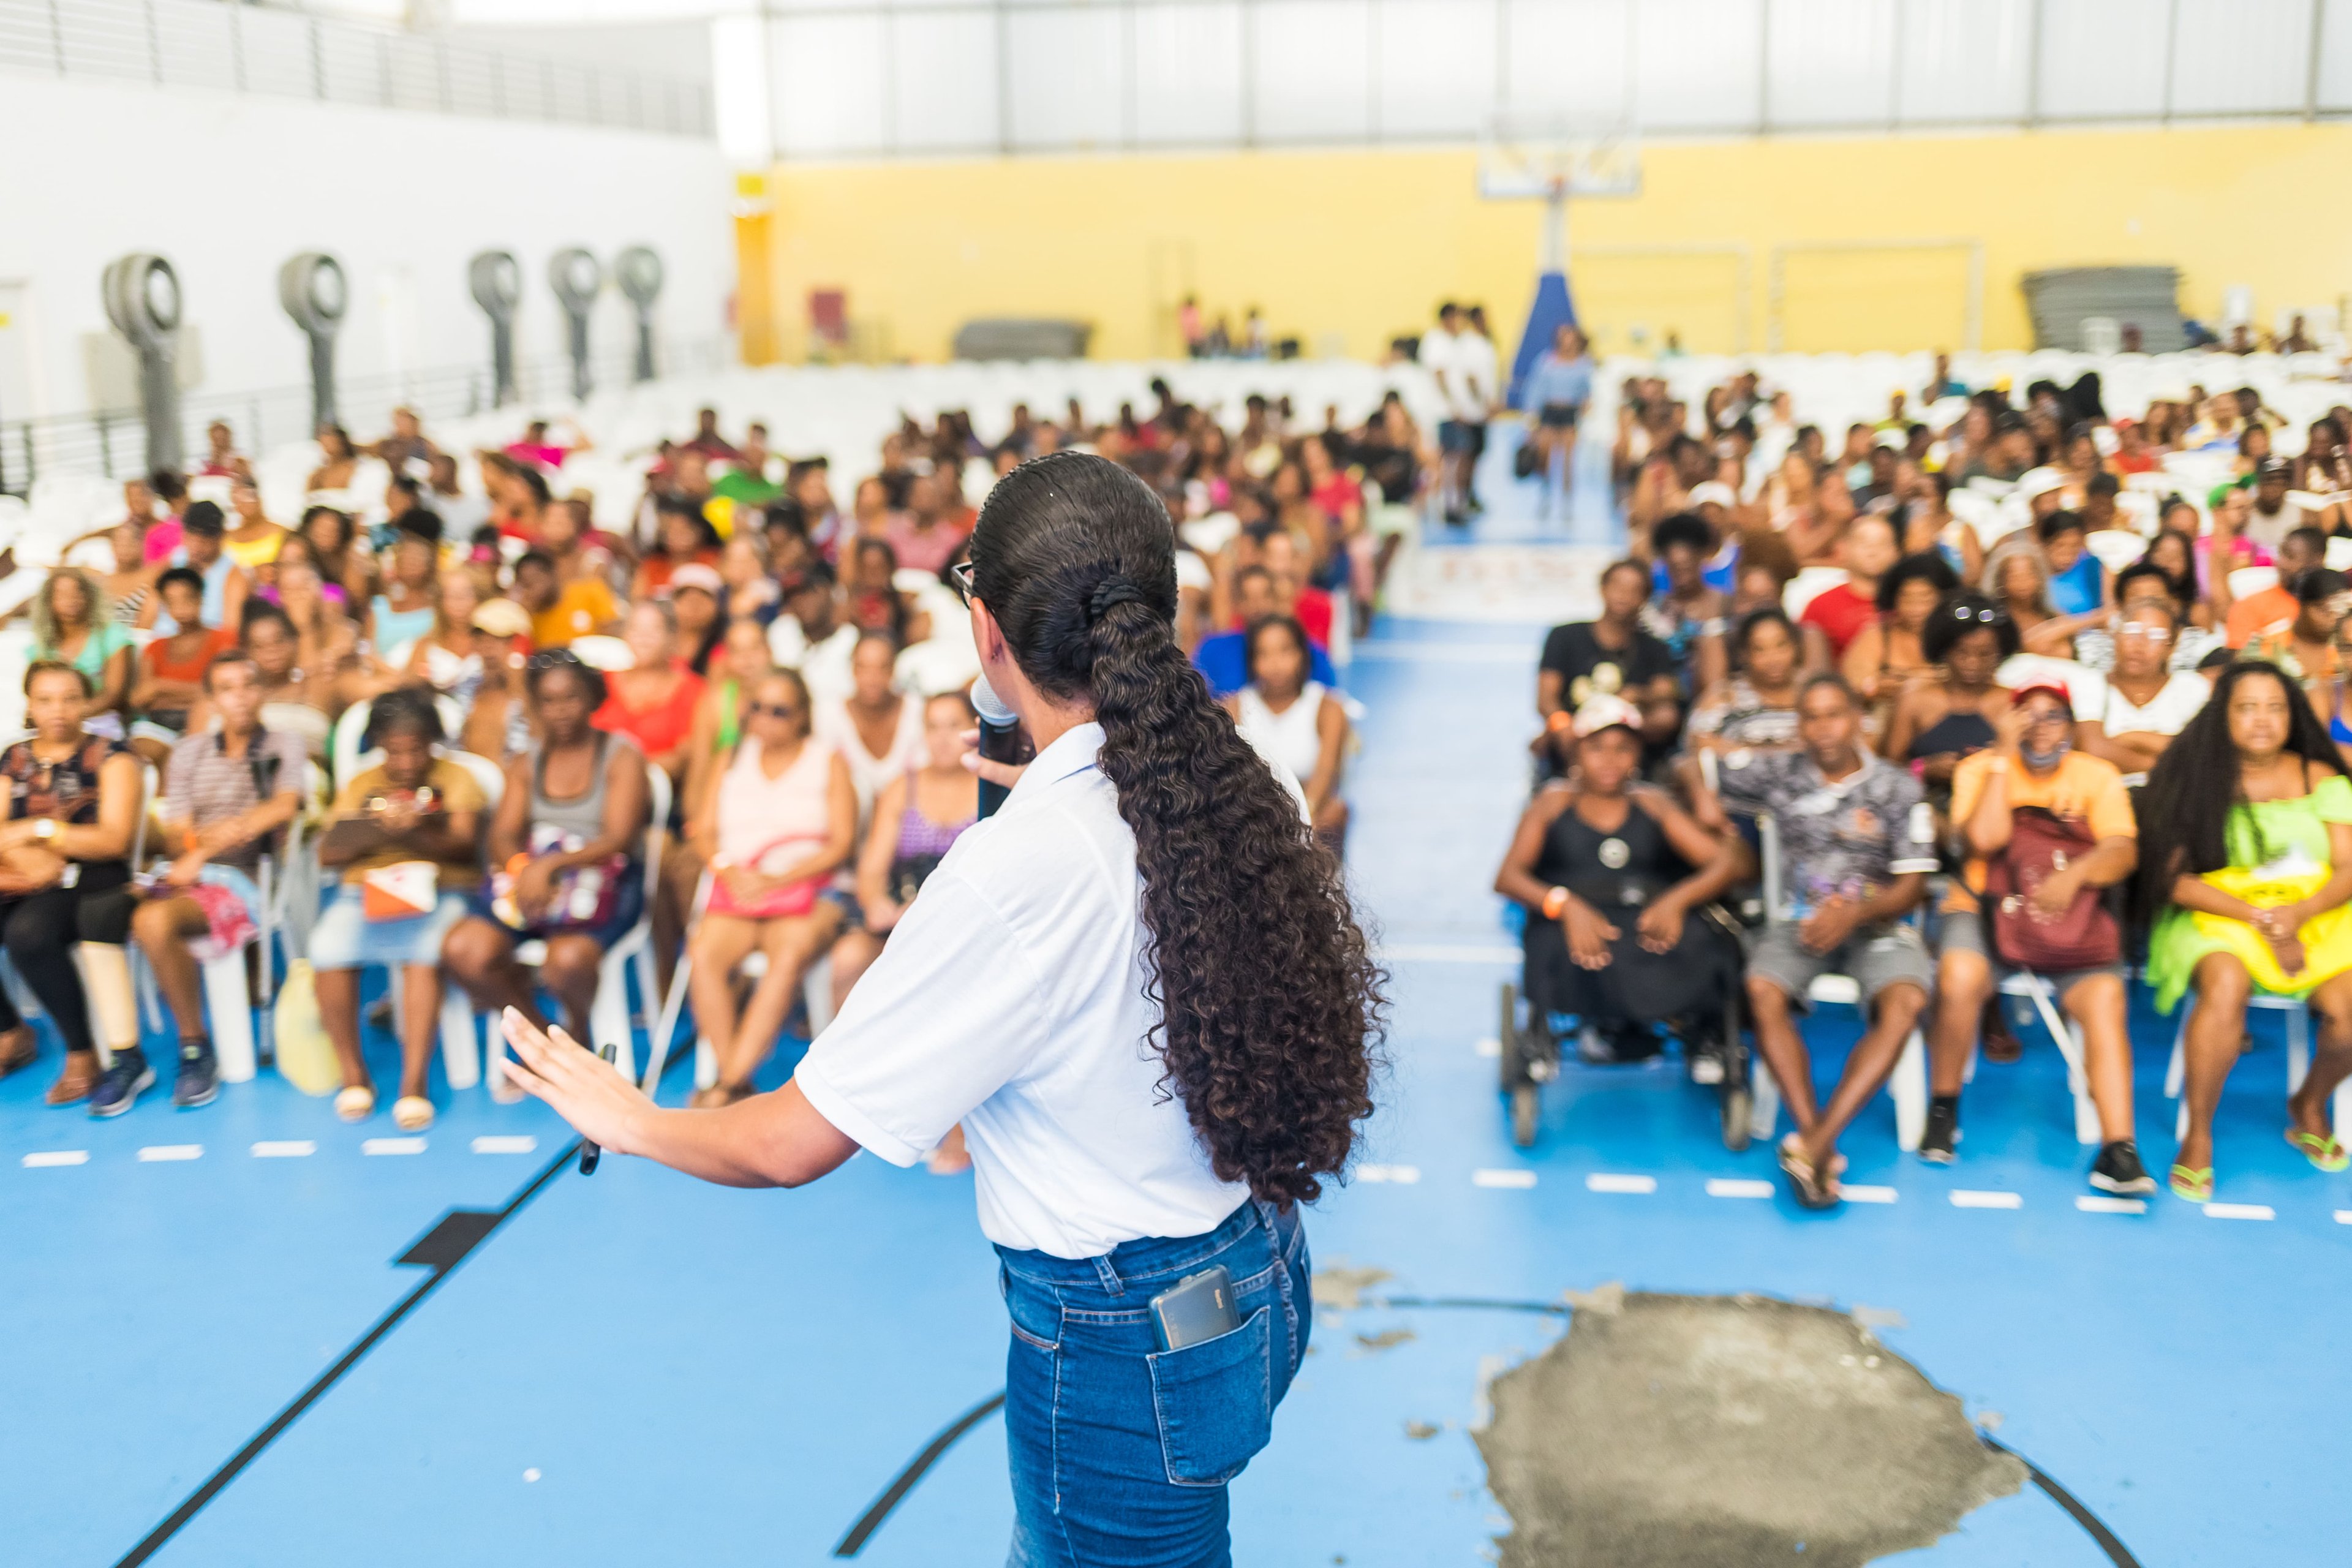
<point>590,1149</point>
<point>1000,740</point>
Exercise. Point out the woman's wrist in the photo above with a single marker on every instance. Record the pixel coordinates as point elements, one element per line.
<point>1555,903</point>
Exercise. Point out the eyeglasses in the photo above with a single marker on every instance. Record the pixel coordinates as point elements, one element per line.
<point>553,659</point>
<point>2136,629</point>
<point>773,710</point>
<point>959,579</point>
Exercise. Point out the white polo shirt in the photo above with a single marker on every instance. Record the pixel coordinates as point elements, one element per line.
<point>1011,998</point>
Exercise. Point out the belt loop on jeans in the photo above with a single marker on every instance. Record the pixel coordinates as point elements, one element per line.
<point>1109,1275</point>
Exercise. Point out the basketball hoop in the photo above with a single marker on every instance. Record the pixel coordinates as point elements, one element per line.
<point>1550,159</point>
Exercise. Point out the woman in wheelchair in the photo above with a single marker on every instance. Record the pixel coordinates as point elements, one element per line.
<point>1613,873</point>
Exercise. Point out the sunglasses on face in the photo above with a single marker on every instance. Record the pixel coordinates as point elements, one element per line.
<point>773,709</point>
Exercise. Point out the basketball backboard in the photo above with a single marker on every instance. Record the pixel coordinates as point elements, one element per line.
<point>1524,158</point>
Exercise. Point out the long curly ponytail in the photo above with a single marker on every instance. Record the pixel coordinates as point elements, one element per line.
<point>1271,1006</point>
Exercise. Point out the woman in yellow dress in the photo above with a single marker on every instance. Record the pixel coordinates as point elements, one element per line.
<point>2246,834</point>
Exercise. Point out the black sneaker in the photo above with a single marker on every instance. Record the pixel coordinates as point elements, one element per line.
<point>2117,1169</point>
<point>199,1079</point>
<point>119,1086</point>
<point>1939,1144</point>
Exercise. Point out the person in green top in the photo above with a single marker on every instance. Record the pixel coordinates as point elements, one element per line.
<point>2246,834</point>
<point>71,626</point>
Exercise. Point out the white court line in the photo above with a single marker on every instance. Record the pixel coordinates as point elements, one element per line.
<point>1613,1181</point>
<point>1970,1198</point>
<point>1866,1194</point>
<point>2091,1204</point>
<point>523,1144</point>
<point>2238,1211</point>
<point>157,1152</point>
<point>1739,1187</point>
<point>1447,952</point>
<point>284,1149</point>
<point>47,1157</point>
<point>1503,1178</point>
<point>1490,1047</point>
<point>1402,1175</point>
<point>392,1146</point>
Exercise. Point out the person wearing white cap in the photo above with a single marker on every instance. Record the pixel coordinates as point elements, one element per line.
<point>1603,869</point>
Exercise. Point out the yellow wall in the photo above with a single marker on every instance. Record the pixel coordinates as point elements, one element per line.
<point>1346,249</point>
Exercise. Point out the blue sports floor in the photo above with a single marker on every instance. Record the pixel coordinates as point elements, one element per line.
<point>640,1368</point>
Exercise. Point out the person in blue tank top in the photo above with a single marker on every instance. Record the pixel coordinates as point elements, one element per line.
<point>2078,579</point>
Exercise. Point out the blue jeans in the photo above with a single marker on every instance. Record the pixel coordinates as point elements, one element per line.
<point>1121,1451</point>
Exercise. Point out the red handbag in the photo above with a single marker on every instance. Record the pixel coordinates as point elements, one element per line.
<point>2083,935</point>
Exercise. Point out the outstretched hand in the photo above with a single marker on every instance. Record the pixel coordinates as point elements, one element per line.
<point>585,1090</point>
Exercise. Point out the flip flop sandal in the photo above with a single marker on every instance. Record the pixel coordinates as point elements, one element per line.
<point>356,1103</point>
<point>1805,1183</point>
<point>2193,1182</point>
<point>2323,1152</point>
<point>412,1113</point>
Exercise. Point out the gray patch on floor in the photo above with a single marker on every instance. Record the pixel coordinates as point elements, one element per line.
<point>1728,1431</point>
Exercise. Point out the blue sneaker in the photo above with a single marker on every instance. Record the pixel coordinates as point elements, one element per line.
<point>121,1085</point>
<point>199,1079</point>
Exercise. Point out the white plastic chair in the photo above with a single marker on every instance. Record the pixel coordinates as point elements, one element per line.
<point>609,1014</point>
<point>2298,1059</point>
<point>2068,1036</point>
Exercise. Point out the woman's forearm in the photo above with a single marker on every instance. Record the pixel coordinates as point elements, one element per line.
<point>768,1141</point>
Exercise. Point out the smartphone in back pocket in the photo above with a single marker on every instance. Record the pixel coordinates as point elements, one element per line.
<point>1199,1307</point>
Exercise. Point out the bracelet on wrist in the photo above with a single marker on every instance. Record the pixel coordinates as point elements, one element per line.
<point>1555,903</point>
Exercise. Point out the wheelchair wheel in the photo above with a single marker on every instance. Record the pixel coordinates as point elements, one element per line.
<point>1738,1082</point>
<point>1507,1034</point>
<point>1526,1114</point>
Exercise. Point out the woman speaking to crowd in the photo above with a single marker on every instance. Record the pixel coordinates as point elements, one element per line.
<point>1141,990</point>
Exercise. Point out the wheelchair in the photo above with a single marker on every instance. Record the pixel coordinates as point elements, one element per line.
<point>1530,1033</point>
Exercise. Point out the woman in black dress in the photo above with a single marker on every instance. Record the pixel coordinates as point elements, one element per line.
<point>1605,870</point>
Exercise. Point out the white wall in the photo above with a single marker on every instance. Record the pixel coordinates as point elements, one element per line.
<point>228,187</point>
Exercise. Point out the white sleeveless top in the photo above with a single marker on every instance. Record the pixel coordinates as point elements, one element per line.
<point>867,772</point>
<point>1290,737</point>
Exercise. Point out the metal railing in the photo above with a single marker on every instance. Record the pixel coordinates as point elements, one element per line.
<point>288,53</point>
<point>113,444</point>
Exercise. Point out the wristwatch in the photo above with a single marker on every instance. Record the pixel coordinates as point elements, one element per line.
<point>44,829</point>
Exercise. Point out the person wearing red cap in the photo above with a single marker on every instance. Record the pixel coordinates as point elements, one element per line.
<point>2033,766</point>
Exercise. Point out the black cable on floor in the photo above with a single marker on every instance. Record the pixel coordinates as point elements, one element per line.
<point>892,1495</point>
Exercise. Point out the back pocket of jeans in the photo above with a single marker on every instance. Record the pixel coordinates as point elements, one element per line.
<point>1215,1405</point>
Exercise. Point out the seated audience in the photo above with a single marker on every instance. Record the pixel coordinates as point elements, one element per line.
<point>2054,829</point>
<point>695,593</point>
<point>2077,579</point>
<point>1756,705</point>
<point>1852,871</point>
<point>1294,719</point>
<point>2263,613</point>
<point>171,669</point>
<point>1614,876</point>
<point>2246,853</point>
<point>743,658</point>
<point>2306,647</point>
<point>2145,702</point>
<point>458,660</point>
<point>1889,651</point>
<point>2017,577</point>
<point>563,609</point>
<point>811,635</point>
<point>65,846</point>
<point>1942,718</point>
<point>566,852</point>
<point>1612,656</point>
<point>1868,551</point>
<point>71,626</point>
<point>782,819</point>
<point>1221,657</point>
<point>229,792</point>
<point>251,541</point>
<point>410,807</point>
<point>682,534</point>
<point>1687,614</point>
<point>130,588</point>
<point>404,610</point>
<point>653,700</point>
<point>917,817</point>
